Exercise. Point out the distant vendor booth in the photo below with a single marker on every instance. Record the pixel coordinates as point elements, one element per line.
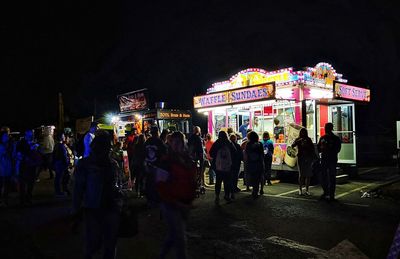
<point>135,114</point>
<point>281,102</point>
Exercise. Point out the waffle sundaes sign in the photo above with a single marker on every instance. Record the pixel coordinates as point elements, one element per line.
<point>248,94</point>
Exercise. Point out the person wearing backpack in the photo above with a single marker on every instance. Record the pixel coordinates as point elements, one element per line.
<point>177,190</point>
<point>221,153</point>
<point>254,154</point>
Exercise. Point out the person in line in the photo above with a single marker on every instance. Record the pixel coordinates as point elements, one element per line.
<point>98,195</point>
<point>164,135</point>
<point>329,147</point>
<point>7,155</point>
<point>255,162</point>
<point>29,159</point>
<point>130,142</point>
<point>237,161</point>
<point>155,151</point>
<point>89,138</point>
<point>61,162</point>
<point>71,165</point>
<point>243,128</point>
<point>138,168</point>
<point>246,177</point>
<point>196,151</point>
<point>208,144</point>
<point>305,158</point>
<point>222,160</point>
<point>47,149</point>
<point>268,146</point>
<point>176,186</point>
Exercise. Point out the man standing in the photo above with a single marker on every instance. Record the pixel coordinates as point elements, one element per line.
<point>196,151</point>
<point>47,150</point>
<point>329,146</point>
<point>89,138</point>
<point>155,152</point>
<point>243,128</point>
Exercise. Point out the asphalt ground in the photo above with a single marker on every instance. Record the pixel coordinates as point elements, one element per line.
<point>280,224</point>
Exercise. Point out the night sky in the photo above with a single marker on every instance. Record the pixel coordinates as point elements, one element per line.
<point>94,51</point>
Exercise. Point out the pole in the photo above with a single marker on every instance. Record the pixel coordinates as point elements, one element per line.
<point>60,112</point>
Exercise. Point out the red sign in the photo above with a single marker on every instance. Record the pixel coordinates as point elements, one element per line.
<point>133,101</point>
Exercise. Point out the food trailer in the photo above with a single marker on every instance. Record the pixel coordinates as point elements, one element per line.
<point>281,102</point>
<point>136,113</point>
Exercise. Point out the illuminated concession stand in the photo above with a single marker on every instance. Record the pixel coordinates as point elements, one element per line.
<point>281,102</point>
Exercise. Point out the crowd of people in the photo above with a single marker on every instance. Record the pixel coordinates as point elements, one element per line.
<point>164,167</point>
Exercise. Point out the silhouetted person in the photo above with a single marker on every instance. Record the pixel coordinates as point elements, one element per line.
<point>29,159</point>
<point>305,158</point>
<point>97,193</point>
<point>222,154</point>
<point>177,189</point>
<point>254,154</point>
<point>237,161</point>
<point>61,163</point>
<point>329,146</point>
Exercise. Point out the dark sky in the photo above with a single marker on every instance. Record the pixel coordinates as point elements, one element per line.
<point>91,50</point>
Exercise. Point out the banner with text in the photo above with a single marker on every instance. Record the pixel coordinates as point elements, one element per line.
<point>248,94</point>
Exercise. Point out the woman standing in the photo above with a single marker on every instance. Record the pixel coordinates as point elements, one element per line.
<point>61,162</point>
<point>138,169</point>
<point>177,189</point>
<point>97,193</point>
<point>254,154</point>
<point>305,158</point>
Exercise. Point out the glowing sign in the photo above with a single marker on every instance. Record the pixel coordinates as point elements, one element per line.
<point>261,92</point>
<point>252,77</point>
<point>343,91</point>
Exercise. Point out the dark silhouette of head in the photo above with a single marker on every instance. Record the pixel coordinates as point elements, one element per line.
<point>222,135</point>
<point>266,135</point>
<point>101,144</point>
<point>253,136</point>
<point>303,133</point>
<point>93,127</point>
<point>177,142</point>
<point>328,127</point>
<point>154,131</point>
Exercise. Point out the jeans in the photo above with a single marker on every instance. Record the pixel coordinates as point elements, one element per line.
<point>211,175</point>
<point>26,184</point>
<point>226,178</point>
<point>59,179</point>
<point>101,229</point>
<point>328,177</point>
<point>235,178</point>
<point>175,220</point>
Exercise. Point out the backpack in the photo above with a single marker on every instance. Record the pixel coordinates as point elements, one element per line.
<point>253,155</point>
<point>223,160</point>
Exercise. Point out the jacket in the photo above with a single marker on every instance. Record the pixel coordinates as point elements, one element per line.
<point>96,185</point>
